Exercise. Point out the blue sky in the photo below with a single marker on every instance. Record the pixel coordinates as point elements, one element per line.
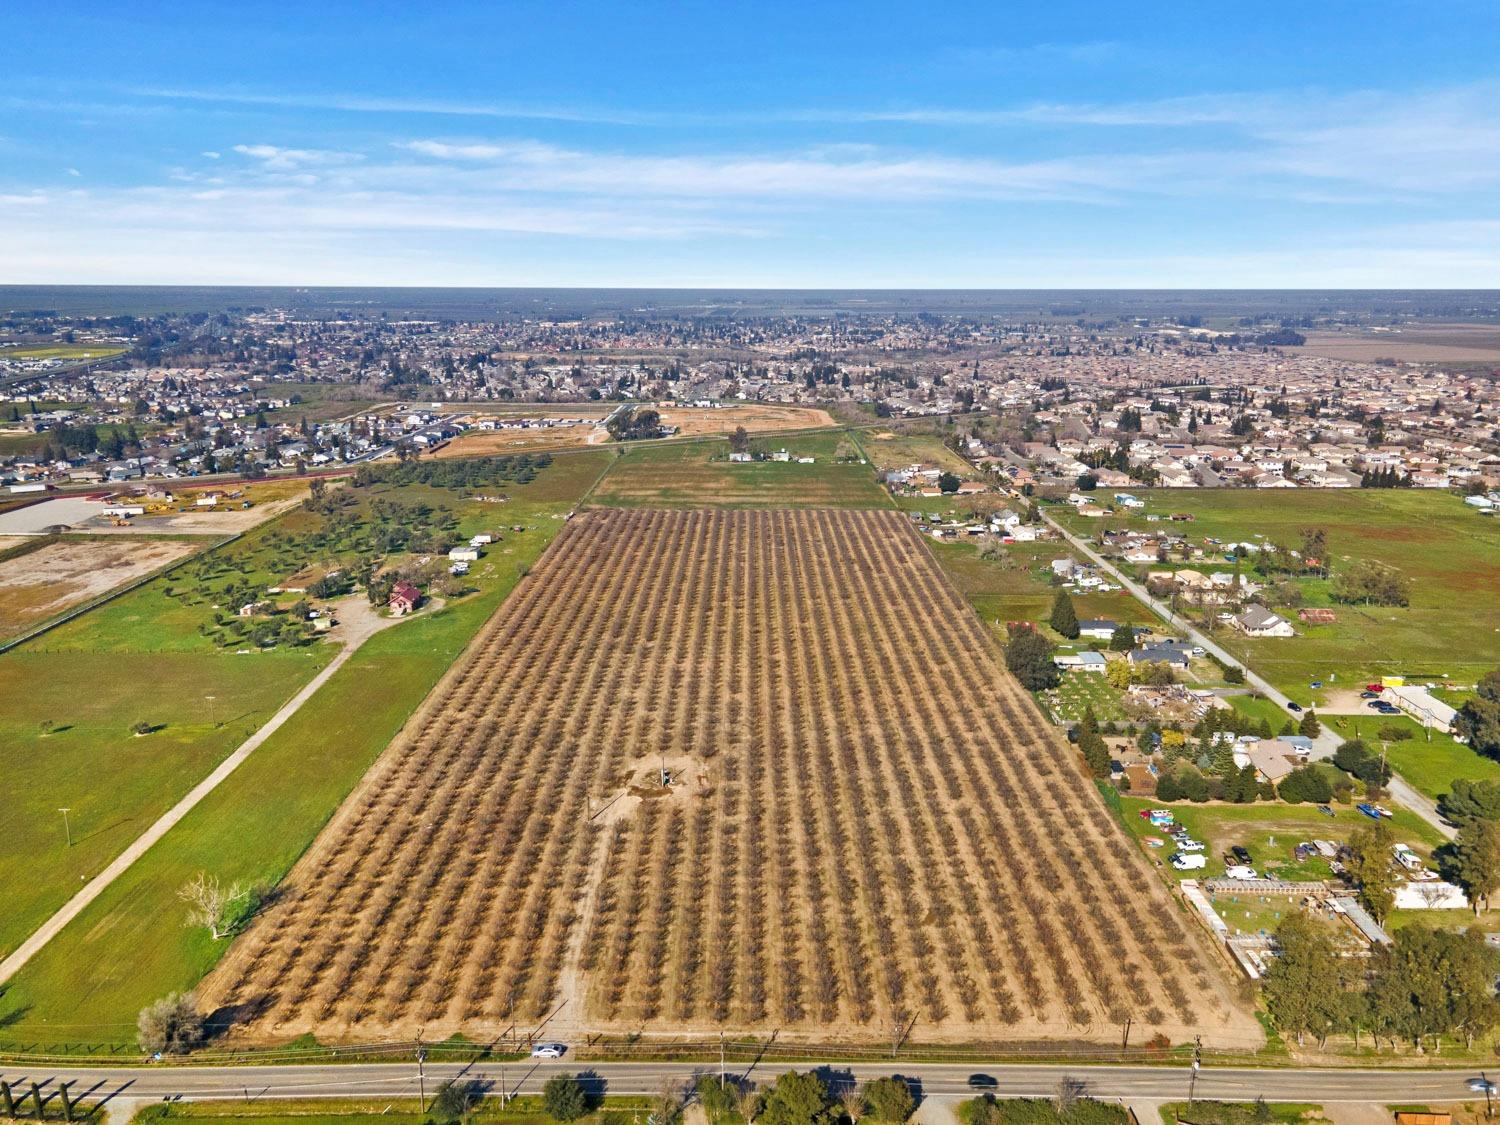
<point>808,144</point>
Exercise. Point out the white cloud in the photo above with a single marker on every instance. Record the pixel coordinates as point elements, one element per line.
<point>273,156</point>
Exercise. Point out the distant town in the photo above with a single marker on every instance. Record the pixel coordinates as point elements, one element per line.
<point>1113,404</point>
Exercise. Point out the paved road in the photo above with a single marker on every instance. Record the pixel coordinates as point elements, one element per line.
<point>142,1084</point>
<point>1327,741</point>
<point>357,622</point>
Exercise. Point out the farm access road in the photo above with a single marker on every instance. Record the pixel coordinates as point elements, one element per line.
<point>358,622</point>
<point>1327,741</point>
<point>121,1089</point>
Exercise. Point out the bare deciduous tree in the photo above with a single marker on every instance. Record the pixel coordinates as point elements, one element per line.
<point>209,902</point>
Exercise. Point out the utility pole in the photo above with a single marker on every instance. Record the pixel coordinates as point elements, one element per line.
<point>721,1060</point>
<point>1125,1039</point>
<point>422,1076</point>
<point>1489,1092</point>
<point>1197,1062</point>
<point>67,828</point>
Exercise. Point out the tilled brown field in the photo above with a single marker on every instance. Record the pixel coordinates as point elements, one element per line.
<point>870,823</point>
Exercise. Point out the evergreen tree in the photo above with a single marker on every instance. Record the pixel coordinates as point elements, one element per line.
<point>1064,618</point>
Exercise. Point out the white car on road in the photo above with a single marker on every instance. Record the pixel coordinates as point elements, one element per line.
<point>548,1050</point>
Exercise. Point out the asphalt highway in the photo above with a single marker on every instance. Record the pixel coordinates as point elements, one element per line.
<point>90,1086</point>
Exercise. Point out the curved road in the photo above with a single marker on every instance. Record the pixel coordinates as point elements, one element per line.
<point>120,1089</point>
<point>1323,746</point>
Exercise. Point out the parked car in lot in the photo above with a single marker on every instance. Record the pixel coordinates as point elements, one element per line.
<point>548,1051</point>
<point>1190,845</point>
<point>1326,810</point>
<point>1185,862</point>
<point>1368,694</point>
<point>1242,854</point>
<point>1240,871</point>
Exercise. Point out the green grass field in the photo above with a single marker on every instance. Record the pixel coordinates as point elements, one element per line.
<point>897,448</point>
<point>698,474</point>
<point>1452,556</point>
<point>61,351</point>
<point>114,783</point>
<point>131,945</point>
<point>1428,760</point>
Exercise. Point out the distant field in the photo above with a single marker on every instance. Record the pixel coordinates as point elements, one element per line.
<point>132,946</point>
<point>1415,343</point>
<point>897,449</point>
<point>690,422</point>
<point>1452,555</point>
<point>321,402</point>
<point>699,475</point>
<point>61,351</point>
<point>66,572</point>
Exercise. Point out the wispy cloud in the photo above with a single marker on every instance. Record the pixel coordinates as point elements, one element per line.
<point>274,156</point>
<point>395,106</point>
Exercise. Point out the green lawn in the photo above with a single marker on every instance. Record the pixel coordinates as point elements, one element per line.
<point>1451,630</point>
<point>1428,760</point>
<point>131,945</point>
<point>698,474</point>
<point>1260,708</point>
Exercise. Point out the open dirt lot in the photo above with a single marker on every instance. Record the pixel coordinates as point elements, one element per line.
<point>44,582</point>
<point>485,443</point>
<point>690,422</point>
<point>1424,343</point>
<point>868,822</point>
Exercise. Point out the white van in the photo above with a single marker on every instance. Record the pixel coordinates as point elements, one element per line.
<point>1185,862</point>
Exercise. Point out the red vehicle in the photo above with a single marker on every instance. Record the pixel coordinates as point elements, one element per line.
<point>1375,687</point>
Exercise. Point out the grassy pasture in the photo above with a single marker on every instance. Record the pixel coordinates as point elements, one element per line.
<point>698,474</point>
<point>898,448</point>
<point>115,783</point>
<point>61,351</point>
<point>131,945</point>
<point>1452,556</point>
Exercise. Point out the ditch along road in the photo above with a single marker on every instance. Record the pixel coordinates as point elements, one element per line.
<point>119,1089</point>
<point>1327,741</point>
<point>358,622</point>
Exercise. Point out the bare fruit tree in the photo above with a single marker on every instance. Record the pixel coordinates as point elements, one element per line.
<point>210,902</point>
